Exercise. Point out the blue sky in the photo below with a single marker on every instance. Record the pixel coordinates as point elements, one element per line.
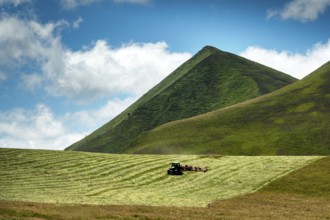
<point>69,66</point>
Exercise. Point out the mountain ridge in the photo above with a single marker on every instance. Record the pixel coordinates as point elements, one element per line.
<point>151,93</point>
<point>210,80</point>
<point>289,121</point>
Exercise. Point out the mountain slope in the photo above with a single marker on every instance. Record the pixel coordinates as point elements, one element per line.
<point>212,79</point>
<point>294,120</point>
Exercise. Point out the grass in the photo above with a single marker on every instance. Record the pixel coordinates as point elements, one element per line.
<point>87,178</point>
<point>294,120</point>
<point>312,181</point>
<point>212,79</point>
<point>253,206</point>
<point>278,200</point>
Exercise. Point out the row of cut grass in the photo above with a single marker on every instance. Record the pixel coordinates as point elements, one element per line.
<point>91,178</point>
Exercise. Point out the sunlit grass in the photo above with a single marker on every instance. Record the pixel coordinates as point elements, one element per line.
<point>293,120</point>
<point>87,178</point>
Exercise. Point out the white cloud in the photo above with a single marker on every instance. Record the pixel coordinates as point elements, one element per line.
<point>76,23</point>
<point>295,64</point>
<point>34,53</point>
<point>86,74</point>
<point>30,50</point>
<point>31,81</point>
<point>14,2</point>
<point>25,42</point>
<point>98,71</point>
<point>90,120</point>
<point>301,10</point>
<point>101,70</point>
<point>38,128</point>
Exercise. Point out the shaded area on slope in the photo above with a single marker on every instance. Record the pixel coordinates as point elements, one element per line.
<point>279,200</point>
<point>212,79</point>
<point>294,120</point>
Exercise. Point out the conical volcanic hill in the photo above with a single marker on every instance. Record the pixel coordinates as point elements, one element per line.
<point>210,80</point>
<point>294,120</point>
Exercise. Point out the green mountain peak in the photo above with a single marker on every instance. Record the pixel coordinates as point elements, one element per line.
<point>294,120</point>
<point>210,80</point>
<point>210,49</point>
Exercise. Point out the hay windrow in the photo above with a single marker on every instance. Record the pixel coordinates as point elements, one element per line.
<point>87,178</point>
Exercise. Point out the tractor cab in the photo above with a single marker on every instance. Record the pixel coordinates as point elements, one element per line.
<point>175,169</point>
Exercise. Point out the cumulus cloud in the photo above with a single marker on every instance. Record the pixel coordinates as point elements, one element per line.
<point>90,120</point>
<point>23,42</point>
<point>31,81</point>
<point>89,73</point>
<point>101,70</point>
<point>295,64</point>
<point>33,52</point>
<point>301,10</point>
<point>38,128</point>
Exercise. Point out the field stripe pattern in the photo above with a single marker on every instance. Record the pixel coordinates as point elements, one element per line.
<point>93,178</point>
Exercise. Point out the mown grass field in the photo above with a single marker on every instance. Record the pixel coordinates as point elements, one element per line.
<point>89,178</point>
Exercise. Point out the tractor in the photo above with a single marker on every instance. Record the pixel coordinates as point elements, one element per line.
<point>175,169</point>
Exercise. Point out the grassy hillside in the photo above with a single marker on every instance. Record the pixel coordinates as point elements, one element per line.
<point>89,178</point>
<point>212,79</point>
<point>294,120</point>
<point>312,180</point>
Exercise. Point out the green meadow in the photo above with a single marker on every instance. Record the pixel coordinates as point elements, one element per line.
<point>63,177</point>
<point>293,120</point>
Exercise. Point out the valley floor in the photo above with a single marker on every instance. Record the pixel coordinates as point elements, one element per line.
<point>303,194</point>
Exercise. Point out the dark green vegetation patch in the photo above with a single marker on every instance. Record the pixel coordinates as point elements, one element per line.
<point>294,120</point>
<point>211,80</point>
